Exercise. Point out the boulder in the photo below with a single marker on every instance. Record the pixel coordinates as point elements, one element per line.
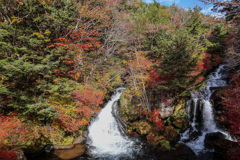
<point>166,108</point>
<point>182,151</point>
<point>221,146</point>
<point>75,152</point>
<point>166,111</point>
<point>213,137</point>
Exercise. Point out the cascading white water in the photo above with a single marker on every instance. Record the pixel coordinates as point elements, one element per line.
<point>200,113</point>
<point>107,138</point>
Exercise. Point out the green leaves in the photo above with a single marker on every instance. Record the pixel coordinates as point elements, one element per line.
<point>41,110</point>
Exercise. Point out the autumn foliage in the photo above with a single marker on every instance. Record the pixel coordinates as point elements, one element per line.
<point>7,154</point>
<point>12,135</point>
<point>231,103</point>
<point>12,131</point>
<point>60,59</point>
<point>155,118</point>
<point>86,104</point>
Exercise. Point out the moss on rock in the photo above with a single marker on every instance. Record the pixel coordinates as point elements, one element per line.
<point>142,127</point>
<point>180,110</point>
<point>127,108</point>
<point>181,123</point>
<point>165,145</point>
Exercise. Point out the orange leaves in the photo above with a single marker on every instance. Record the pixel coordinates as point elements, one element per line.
<point>141,62</point>
<point>51,46</point>
<point>67,62</point>
<point>95,12</point>
<point>12,131</point>
<point>140,66</point>
<point>88,97</point>
<point>66,118</point>
<point>78,46</point>
<point>59,42</point>
<point>13,134</point>
<point>61,39</point>
<point>85,39</point>
<point>87,101</point>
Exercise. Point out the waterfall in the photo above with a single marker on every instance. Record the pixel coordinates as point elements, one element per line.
<point>200,113</point>
<point>107,138</point>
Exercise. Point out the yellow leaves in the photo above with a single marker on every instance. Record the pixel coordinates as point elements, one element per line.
<point>164,13</point>
<point>56,80</point>
<point>47,32</point>
<point>77,75</point>
<point>39,35</point>
<point>52,132</point>
<point>47,40</point>
<point>139,104</point>
<point>138,93</point>
<point>15,19</point>
<point>85,120</point>
<point>141,77</point>
<point>37,19</point>
<point>65,109</point>
<point>35,132</point>
<point>124,62</point>
<point>45,2</point>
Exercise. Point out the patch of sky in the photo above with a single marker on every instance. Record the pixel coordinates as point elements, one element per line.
<point>187,4</point>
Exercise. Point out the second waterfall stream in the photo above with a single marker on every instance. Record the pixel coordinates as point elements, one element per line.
<point>200,113</point>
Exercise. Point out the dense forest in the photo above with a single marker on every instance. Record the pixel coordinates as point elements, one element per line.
<point>60,60</point>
